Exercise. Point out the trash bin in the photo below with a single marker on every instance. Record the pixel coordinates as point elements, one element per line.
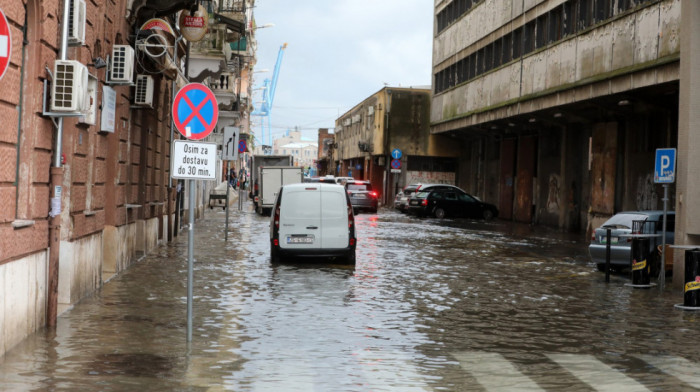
<point>641,262</point>
<point>691,296</point>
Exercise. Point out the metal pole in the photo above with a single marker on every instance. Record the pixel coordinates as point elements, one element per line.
<point>57,192</point>
<point>608,234</point>
<point>662,273</point>
<point>228,191</point>
<point>190,260</point>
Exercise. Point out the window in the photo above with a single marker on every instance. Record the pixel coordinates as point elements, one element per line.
<point>507,49</point>
<point>517,42</point>
<point>541,32</point>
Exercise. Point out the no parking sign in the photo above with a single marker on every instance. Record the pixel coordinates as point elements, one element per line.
<point>195,111</point>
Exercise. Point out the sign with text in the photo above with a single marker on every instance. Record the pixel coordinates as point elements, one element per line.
<point>109,109</point>
<point>665,166</point>
<point>193,160</point>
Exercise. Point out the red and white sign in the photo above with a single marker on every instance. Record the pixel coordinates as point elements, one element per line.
<point>194,27</point>
<point>195,111</point>
<point>5,44</point>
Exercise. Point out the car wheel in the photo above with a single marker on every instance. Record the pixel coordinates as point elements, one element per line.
<point>439,213</point>
<point>488,215</point>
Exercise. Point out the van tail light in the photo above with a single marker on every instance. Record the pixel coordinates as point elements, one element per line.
<point>276,242</point>
<point>593,237</point>
<point>424,202</point>
<point>352,241</point>
<point>374,194</point>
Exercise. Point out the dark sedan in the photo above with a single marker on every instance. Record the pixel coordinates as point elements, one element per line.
<point>362,196</point>
<point>450,203</point>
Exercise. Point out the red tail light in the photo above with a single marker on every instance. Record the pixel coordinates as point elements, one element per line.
<point>352,241</point>
<point>276,242</point>
<point>424,202</point>
<point>374,194</point>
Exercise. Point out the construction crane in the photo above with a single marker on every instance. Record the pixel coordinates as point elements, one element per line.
<point>269,87</point>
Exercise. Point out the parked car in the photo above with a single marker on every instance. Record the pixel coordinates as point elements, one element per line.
<point>362,196</point>
<point>623,223</point>
<point>312,220</point>
<point>454,203</point>
<point>401,198</point>
<point>343,180</point>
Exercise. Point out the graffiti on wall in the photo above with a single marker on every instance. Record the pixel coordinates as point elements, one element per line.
<point>425,177</point>
<point>553,194</point>
<point>647,199</point>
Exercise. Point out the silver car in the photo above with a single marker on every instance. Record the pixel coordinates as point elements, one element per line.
<point>625,223</point>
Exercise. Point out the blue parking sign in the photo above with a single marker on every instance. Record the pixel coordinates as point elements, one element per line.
<point>665,166</point>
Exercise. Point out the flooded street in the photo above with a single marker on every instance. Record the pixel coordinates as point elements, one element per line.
<point>430,306</point>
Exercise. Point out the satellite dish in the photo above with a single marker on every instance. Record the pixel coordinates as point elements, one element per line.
<point>154,45</point>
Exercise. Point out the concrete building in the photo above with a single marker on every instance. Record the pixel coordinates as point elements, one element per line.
<point>85,186</point>
<point>562,104</point>
<point>326,145</point>
<point>393,118</point>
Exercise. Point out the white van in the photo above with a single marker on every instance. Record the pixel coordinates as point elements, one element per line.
<point>312,220</point>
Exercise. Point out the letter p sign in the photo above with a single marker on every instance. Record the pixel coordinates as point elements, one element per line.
<point>665,167</point>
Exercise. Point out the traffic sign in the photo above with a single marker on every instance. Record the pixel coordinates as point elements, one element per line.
<point>5,44</point>
<point>193,160</point>
<point>395,164</point>
<point>396,153</point>
<point>665,167</point>
<point>242,146</point>
<point>230,148</point>
<point>195,111</point>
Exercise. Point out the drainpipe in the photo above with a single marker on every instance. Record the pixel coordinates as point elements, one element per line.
<point>56,191</point>
<point>173,85</point>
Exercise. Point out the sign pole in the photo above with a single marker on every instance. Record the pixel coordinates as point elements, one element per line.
<point>228,191</point>
<point>662,273</point>
<point>190,260</point>
<point>664,173</point>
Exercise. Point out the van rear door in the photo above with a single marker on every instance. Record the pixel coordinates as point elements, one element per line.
<point>334,221</point>
<point>300,218</point>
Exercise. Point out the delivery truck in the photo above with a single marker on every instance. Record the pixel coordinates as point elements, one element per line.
<point>270,179</point>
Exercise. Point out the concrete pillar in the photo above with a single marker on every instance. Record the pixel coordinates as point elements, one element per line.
<point>688,160</point>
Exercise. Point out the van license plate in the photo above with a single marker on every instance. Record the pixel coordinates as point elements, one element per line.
<point>300,240</point>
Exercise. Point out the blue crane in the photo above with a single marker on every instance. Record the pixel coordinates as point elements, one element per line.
<point>269,87</point>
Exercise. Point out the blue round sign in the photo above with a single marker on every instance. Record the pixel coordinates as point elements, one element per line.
<point>396,153</point>
<point>195,111</point>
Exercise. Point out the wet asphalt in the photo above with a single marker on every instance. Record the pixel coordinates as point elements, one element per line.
<point>453,305</point>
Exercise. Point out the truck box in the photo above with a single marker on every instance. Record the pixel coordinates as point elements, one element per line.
<point>270,179</point>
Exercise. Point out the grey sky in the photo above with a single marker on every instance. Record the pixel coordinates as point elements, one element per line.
<point>339,53</point>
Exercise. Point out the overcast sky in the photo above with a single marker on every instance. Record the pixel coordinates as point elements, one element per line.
<point>339,53</point>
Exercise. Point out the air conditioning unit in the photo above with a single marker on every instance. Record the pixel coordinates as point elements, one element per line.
<point>69,87</point>
<point>121,69</point>
<point>144,90</point>
<point>76,22</point>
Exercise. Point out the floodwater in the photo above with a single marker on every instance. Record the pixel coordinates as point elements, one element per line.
<point>430,306</point>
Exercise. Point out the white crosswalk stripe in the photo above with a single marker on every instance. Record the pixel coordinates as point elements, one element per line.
<point>494,372</point>
<point>596,374</point>
<point>680,368</point>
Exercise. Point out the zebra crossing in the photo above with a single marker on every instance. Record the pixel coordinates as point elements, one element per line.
<point>495,373</point>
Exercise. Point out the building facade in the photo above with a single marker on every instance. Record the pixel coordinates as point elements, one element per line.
<point>562,105</point>
<point>85,182</point>
<point>394,118</point>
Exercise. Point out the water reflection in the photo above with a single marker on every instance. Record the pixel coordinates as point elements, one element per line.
<point>425,299</point>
